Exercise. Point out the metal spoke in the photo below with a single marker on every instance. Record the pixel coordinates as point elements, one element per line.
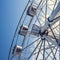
<point>53,33</point>
<point>49,55</point>
<point>30,44</point>
<point>33,51</point>
<point>44,39</point>
<point>55,52</point>
<point>38,20</point>
<point>52,51</point>
<point>39,51</point>
<point>44,50</point>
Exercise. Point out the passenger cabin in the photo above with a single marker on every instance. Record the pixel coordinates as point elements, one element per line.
<point>17,50</point>
<point>32,10</point>
<point>23,30</point>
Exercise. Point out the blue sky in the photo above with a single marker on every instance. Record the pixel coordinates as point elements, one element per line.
<point>10,12</point>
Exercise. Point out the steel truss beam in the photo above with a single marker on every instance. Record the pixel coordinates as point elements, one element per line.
<point>51,20</point>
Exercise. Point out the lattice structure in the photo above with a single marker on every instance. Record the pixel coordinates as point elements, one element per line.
<point>37,36</point>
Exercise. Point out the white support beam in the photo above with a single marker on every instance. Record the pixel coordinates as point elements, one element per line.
<point>55,12</point>
<point>55,20</point>
<point>51,18</point>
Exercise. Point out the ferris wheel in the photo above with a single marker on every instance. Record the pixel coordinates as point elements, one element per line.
<point>37,35</point>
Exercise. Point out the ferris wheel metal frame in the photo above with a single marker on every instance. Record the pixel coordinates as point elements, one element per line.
<point>39,41</point>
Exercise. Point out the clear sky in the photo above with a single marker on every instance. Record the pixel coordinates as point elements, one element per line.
<point>10,12</point>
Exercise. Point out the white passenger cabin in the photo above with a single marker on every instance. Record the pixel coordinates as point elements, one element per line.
<point>32,10</point>
<point>23,30</point>
<point>17,50</point>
